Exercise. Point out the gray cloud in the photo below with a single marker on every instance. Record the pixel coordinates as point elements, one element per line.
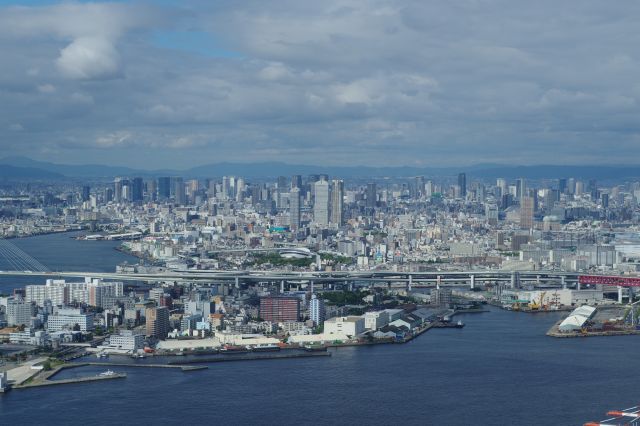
<point>335,82</point>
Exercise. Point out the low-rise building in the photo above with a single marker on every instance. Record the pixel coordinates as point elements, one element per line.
<point>350,326</point>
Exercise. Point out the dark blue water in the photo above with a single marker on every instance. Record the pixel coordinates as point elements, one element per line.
<point>500,369</point>
<point>61,252</point>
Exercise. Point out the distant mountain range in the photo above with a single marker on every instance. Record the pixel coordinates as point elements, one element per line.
<point>22,167</point>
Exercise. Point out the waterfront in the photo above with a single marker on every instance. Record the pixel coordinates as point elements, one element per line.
<point>62,252</point>
<point>499,369</point>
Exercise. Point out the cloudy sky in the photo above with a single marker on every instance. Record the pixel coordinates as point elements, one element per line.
<point>185,83</point>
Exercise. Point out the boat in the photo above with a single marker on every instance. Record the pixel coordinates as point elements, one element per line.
<point>459,324</point>
<point>102,355</point>
<point>315,348</point>
<point>107,373</point>
<point>265,348</point>
<point>231,349</point>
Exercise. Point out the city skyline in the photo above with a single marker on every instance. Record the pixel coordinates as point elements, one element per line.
<point>177,82</point>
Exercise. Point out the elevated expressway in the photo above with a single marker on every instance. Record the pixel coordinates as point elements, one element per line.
<point>377,277</point>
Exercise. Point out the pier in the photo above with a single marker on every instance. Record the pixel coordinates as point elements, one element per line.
<point>177,363</point>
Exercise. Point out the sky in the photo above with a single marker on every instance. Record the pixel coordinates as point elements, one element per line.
<point>176,84</point>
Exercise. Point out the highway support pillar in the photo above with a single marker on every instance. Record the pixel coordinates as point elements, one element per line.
<point>438,281</point>
<point>282,287</point>
<point>472,281</point>
<point>237,282</point>
<point>409,283</point>
<point>563,280</point>
<point>619,294</point>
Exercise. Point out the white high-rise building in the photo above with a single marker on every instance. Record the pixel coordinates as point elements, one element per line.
<point>316,310</point>
<point>321,204</point>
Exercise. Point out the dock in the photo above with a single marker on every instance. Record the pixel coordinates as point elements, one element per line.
<point>178,363</point>
<point>124,364</point>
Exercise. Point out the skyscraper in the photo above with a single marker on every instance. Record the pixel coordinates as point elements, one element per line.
<point>281,189</point>
<point>137,189</point>
<point>86,190</point>
<point>117,189</point>
<point>164,188</point>
<point>462,183</point>
<point>337,201</point>
<point>526,212</point>
<point>321,204</point>
<point>179,193</point>
<point>521,189</point>
<point>371,195</point>
<point>296,181</point>
<point>294,208</point>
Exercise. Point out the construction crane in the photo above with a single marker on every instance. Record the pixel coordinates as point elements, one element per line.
<point>536,305</point>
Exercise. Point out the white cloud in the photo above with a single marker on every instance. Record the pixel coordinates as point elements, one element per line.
<point>89,58</point>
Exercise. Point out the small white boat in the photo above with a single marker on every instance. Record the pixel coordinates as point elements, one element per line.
<point>107,373</point>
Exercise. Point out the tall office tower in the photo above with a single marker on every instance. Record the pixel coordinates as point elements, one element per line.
<point>371,195</point>
<point>137,189</point>
<point>294,209</point>
<point>521,187</point>
<point>562,185</point>
<point>164,188</point>
<point>86,191</point>
<point>232,187</point>
<point>126,191</point>
<point>296,181</point>
<point>592,185</point>
<point>321,203</point>
<point>526,213</point>
<point>279,309</point>
<point>316,310</point>
<point>462,183</point>
<point>579,187</point>
<point>192,187</point>
<point>117,189</point>
<point>480,193</point>
<point>419,186</point>
<point>428,189</point>
<point>108,195</point>
<point>280,189</point>
<point>502,184</point>
<point>157,322</point>
<point>179,194</point>
<point>604,201</point>
<point>226,188</point>
<point>337,201</point>
<point>211,188</point>
<point>152,190</point>
<point>571,186</point>
<point>240,187</point>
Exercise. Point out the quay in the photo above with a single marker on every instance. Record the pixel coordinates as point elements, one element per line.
<point>177,363</point>
<point>124,364</point>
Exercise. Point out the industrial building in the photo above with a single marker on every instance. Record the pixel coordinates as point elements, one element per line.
<point>350,326</point>
<point>576,320</point>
